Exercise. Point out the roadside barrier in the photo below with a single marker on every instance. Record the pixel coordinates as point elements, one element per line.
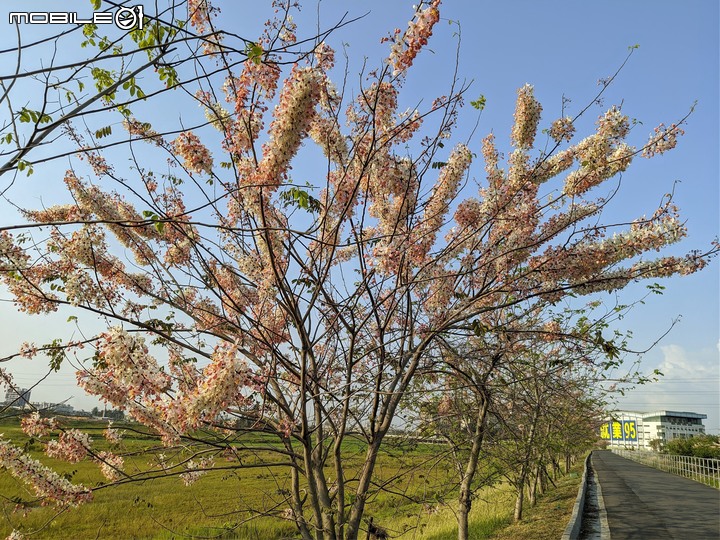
<point>572,531</point>
<point>704,470</point>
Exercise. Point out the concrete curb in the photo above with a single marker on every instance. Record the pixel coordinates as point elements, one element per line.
<point>604,526</point>
<point>572,531</point>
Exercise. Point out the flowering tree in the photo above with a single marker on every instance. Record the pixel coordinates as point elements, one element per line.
<point>239,301</point>
<point>536,355</point>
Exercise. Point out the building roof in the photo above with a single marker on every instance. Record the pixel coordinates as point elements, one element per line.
<point>676,414</point>
<point>683,414</point>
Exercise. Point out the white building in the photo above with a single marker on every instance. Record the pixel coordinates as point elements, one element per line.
<point>17,397</point>
<point>632,429</point>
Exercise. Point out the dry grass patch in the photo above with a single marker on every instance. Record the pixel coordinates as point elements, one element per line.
<point>549,517</point>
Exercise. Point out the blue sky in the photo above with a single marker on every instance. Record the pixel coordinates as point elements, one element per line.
<point>562,48</point>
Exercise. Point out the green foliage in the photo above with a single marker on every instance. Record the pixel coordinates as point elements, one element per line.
<point>165,508</point>
<point>702,446</point>
<point>104,79</point>
<point>479,103</point>
<point>23,165</point>
<point>300,198</point>
<point>36,117</point>
<point>56,352</point>
<point>159,225</point>
<point>254,52</point>
<point>103,132</point>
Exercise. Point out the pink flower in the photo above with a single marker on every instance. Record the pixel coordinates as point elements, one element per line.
<point>72,446</point>
<point>662,140</point>
<point>44,481</point>
<point>35,426</point>
<point>527,117</point>
<point>562,129</point>
<point>406,46</point>
<point>197,157</point>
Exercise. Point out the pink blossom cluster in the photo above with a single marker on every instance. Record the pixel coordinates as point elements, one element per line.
<point>469,213</point>
<point>527,118</point>
<point>669,266</point>
<point>292,119</point>
<point>220,384</point>
<point>325,132</point>
<point>199,14</point>
<point>72,446</point>
<point>286,426</point>
<point>613,125</point>
<point>129,378</point>
<point>111,465</point>
<point>518,176</point>
<point>662,140</point>
<point>142,130</point>
<point>45,482</point>
<point>196,470</point>
<point>58,212</point>
<point>98,163</point>
<point>439,293</point>
<point>36,426</point>
<point>562,129</point>
<point>325,56</point>
<point>262,77</point>
<point>28,350</point>
<point>599,161</point>
<point>112,435</point>
<point>551,331</point>
<point>558,223</point>
<point>437,205</point>
<point>113,208</point>
<point>196,156</point>
<point>495,174</point>
<point>125,363</point>
<point>406,46</point>
<point>549,167</point>
<point>28,294</point>
<point>15,535</point>
<point>287,31</point>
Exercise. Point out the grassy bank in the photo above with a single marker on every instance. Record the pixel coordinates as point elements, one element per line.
<point>247,503</point>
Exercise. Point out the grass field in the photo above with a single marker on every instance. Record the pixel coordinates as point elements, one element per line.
<point>226,504</point>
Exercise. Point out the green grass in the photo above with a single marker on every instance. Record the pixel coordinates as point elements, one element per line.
<point>229,504</point>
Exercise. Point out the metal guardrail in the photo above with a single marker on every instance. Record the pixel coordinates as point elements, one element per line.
<point>704,470</point>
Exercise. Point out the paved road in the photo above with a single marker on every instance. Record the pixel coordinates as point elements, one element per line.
<point>643,503</point>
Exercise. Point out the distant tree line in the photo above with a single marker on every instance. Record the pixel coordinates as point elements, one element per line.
<point>112,414</point>
<point>704,446</point>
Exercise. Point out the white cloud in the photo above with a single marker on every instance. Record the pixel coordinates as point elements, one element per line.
<point>691,382</point>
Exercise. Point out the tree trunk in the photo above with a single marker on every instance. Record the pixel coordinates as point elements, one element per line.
<point>466,492</point>
<point>517,516</point>
<point>533,487</point>
<point>358,507</point>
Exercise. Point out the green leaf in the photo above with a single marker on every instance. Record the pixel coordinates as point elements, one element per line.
<point>56,353</point>
<point>254,52</point>
<point>103,132</point>
<point>479,103</point>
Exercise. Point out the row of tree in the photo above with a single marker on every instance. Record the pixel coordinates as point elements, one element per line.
<point>702,446</point>
<point>321,313</point>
